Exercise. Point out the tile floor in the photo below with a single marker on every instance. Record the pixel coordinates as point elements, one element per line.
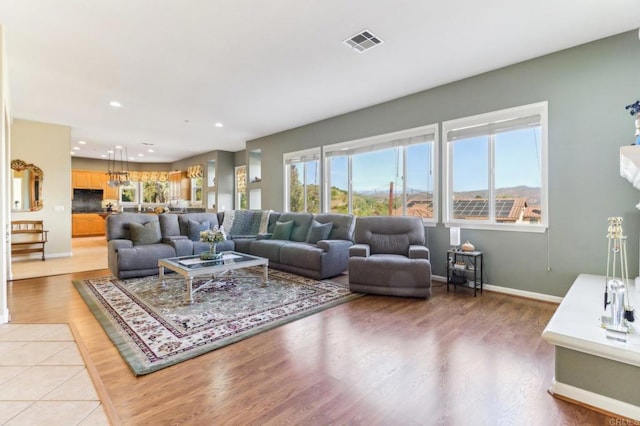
<point>43,378</point>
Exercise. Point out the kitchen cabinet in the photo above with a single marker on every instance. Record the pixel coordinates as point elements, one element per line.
<point>87,224</point>
<point>179,186</point>
<point>82,179</point>
<point>86,179</point>
<point>109,192</point>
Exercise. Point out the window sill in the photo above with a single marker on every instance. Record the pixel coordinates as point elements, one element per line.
<point>536,229</point>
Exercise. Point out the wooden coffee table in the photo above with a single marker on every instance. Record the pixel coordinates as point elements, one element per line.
<point>192,266</point>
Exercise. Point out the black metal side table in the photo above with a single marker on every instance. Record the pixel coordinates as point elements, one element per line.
<point>473,263</point>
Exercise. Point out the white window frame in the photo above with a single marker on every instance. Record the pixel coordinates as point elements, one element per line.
<point>136,200</point>
<point>380,142</point>
<point>301,157</point>
<point>194,188</point>
<point>492,120</point>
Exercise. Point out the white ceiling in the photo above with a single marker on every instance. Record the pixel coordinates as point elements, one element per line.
<point>260,67</point>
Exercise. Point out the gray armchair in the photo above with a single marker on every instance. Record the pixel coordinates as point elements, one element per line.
<point>389,257</point>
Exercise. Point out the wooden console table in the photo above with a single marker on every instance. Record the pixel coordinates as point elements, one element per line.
<point>591,365</point>
<point>28,236</point>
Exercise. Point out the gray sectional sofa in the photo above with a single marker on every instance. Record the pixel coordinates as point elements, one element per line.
<point>312,245</point>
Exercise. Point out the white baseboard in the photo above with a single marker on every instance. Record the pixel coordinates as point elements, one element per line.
<point>511,291</point>
<point>36,256</point>
<point>54,255</point>
<point>595,400</point>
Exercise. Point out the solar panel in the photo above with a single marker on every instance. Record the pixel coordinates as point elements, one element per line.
<point>503,207</point>
<point>478,208</point>
<point>468,208</point>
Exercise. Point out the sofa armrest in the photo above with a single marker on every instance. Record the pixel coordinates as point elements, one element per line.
<point>333,245</point>
<point>115,245</point>
<point>359,250</point>
<point>418,252</point>
<point>266,236</point>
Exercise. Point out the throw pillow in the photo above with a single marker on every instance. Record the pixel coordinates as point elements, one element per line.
<point>196,227</point>
<point>149,233</point>
<point>319,231</point>
<point>282,231</point>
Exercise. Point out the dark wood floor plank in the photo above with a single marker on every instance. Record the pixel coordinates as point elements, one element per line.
<point>453,359</point>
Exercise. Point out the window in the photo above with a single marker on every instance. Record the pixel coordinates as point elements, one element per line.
<point>302,175</point>
<point>496,169</point>
<point>155,192</point>
<point>386,175</point>
<point>241,188</point>
<point>148,192</point>
<point>129,194</point>
<point>196,190</point>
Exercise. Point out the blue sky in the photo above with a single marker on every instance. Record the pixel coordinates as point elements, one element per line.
<point>517,163</point>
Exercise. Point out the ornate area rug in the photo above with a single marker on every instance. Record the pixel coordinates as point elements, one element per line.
<point>153,327</point>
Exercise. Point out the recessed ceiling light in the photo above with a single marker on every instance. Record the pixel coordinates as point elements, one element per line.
<point>115,104</point>
<point>132,158</point>
<point>118,147</point>
<point>73,153</point>
<point>110,151</point>
<point>219,125</point>
<point>77,148</point>
<point>103,155</point>
<point>150,150</point>
<point>82,142</point>
<point>140,155</point>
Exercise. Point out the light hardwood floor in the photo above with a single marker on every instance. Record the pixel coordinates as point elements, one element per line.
<point>451,360</point>
<point>89,254</point>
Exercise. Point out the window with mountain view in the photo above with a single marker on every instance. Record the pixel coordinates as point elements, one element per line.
<point>302,171</point>
<point>495,169</point>
<point>386,175</point>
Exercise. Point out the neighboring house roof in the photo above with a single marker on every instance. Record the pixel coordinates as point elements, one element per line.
<point>419,207</point>
<point>533,212</point>
<point>507,209</point>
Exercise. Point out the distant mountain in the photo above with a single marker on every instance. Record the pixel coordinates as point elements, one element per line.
<point>531,194</point>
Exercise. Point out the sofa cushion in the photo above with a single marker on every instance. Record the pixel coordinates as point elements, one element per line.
<point>196,227</point>
<point>343,224</point>
<point>319,231</point>
<point>149,233</point>
<point>183,220</point>
<point>301,255</point>
<point>282,230</point>
<point>302,223</point>
<point>269,249</point>
<point>143,257</point>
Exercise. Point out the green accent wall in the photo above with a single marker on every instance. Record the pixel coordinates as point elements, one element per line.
<point>599,375</point>
<point>587,88</point>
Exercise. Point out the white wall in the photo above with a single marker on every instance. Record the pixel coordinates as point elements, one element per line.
<point>48,146</point>
<point>5,148</point>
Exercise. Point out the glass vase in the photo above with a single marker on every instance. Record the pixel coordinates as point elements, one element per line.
<point>211,254</point>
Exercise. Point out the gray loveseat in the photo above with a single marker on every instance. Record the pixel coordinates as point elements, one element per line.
<point>137,241</point>
<point>389,257</point>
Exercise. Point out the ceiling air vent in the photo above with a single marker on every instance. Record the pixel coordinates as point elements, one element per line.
<point>362,41</point>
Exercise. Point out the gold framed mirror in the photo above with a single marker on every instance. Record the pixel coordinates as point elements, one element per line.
<point>26,187</point>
